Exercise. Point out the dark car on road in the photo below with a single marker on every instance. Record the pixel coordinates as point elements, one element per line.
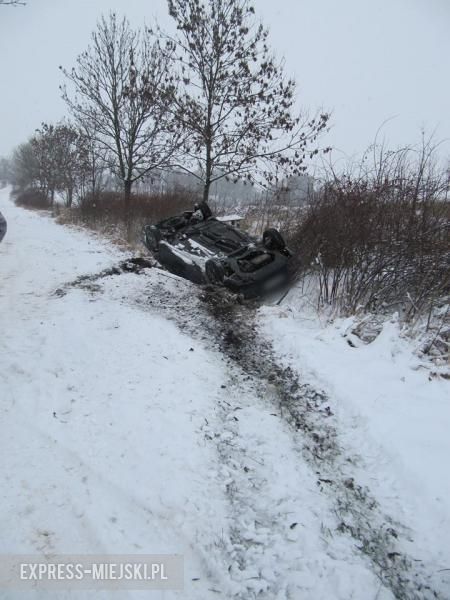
<point>3,226</point>
<point>203,249</point>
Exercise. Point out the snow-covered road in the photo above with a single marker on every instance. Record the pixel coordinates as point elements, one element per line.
<point>125,429</point>
<point>102,409</point>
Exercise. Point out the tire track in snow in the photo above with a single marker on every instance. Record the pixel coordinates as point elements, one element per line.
<point>217,319</point>
<point>307,411</point>
<point>232,328</point>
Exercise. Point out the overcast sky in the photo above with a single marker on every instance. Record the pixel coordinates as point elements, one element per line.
<point>365,60</point>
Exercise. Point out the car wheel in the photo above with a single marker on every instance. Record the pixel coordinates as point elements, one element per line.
<point>273,240</point>
<point>152,237</point>
<point>215,273</point>
<point>205,210</point>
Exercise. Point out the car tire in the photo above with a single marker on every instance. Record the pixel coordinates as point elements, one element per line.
<point>215,273</point>
<point>273,240</point>
<point>205,210</point>
<point>152,237</point>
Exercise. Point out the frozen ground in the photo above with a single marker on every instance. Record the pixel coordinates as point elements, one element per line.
<point>142,414</point>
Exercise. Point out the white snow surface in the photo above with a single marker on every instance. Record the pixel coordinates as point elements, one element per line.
<point>391,412</point>
<point>228,218</point>
<point>120,433</point>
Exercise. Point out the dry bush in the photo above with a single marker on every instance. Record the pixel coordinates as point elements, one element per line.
<point>273,209</point>
<point>31,198</point>
<point>381,238</point>
<point>104,212</point>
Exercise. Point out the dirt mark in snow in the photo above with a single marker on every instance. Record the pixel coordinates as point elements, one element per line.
<point>232,327</point>
<point>308,413</point>
<point>214,316</point>
<point>89,282</point>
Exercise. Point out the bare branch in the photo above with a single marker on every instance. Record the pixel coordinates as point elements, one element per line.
<point>12,3</point>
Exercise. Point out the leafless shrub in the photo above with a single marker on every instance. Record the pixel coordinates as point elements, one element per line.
<point>273,210</point>
<point>104,212</point>
<point>31,198</point>
<point>379,238</point>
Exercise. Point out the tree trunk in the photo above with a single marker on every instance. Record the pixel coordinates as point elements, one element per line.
<point>208,166</point>
<point>127,200</point>
<point>206,190</point>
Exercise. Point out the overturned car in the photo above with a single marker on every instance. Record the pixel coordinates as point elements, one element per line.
<point>201,248</point>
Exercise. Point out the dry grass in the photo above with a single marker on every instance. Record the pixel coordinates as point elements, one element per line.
<point>31,198</point>
<point>104,213</point>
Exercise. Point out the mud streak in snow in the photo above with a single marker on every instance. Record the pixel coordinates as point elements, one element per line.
<point>215,317</point>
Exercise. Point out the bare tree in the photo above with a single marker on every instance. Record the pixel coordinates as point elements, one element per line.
<point>120,90</point>
<point>47,153</point>
<point>69,157</point>
<point>94,161</point>
<point>237,106</point>
<point>5,170</point>
<point>53,160</point>
<point>24,172</point>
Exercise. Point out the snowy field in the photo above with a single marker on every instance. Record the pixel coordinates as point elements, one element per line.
<point>124,429</point>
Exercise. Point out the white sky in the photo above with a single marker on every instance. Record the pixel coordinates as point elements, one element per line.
<point>365,60</point>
